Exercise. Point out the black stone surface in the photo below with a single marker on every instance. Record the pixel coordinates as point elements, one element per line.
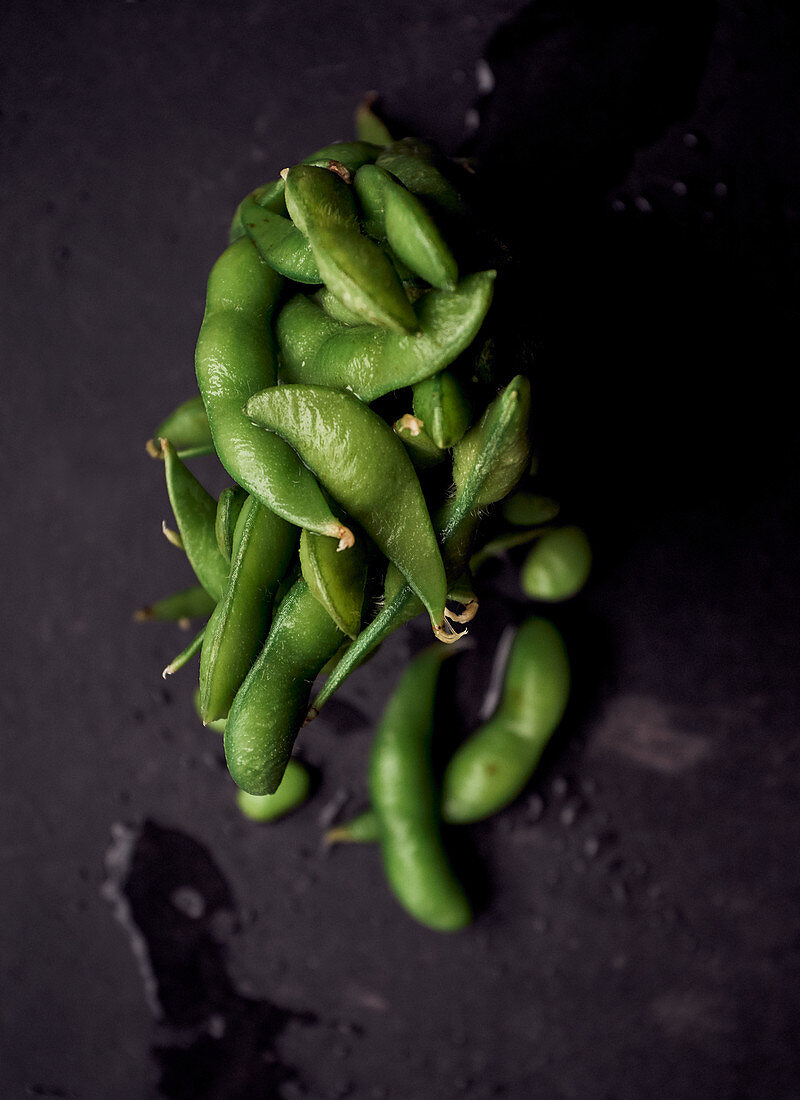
<point>637,932</point>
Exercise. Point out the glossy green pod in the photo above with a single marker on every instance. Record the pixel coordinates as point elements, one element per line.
<point>279,242</point>
<point>364,466</point>
<point>290,795</point>
<point>229,507</point>
<point>558,566</point>
<point>394,213</point>
<point>352,267</point>
<point>421,448</point>
<point>337,580</point>
<point>406,802</point>
<point>186,427</point>
<point>412,162</point>
<point>442,406</point>
<point>195,512</point>
<point>236,630</point>
<point>191,603</point>
<point>371,361</point>
<point>272,703</point>
<point>503,435</point>
<point>350,154</point>
<point>234,359</point>
<point>491,768</point>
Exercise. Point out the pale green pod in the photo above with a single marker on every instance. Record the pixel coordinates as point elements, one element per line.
<point>529,509</point>
<point>291,794</point>
<point>558,566</point>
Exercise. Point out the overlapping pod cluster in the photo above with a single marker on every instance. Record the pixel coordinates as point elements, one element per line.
<point>346,392</point>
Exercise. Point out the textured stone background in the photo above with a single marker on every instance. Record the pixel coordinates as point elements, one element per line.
<point>638,935</point>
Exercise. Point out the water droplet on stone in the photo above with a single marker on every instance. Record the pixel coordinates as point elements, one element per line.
<point>691,141</point>
<point>679,188</point>
<point>642,204</point>
<point>720,190</point>
<point>591,846</point>
<point>189,901</point>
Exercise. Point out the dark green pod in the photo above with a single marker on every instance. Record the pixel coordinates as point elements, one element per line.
<point>191,603</point>
<point>186,427</point>
<point>442,406</point>
<point>195,512</point>
<point>421,448</point>
<point>229,506</point>
<point>412,162</point>
<point>272,703</point>
<point>279,242</point>
<point>336,579</point>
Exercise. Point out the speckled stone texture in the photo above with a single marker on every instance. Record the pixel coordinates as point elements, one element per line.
<point>637,925</point>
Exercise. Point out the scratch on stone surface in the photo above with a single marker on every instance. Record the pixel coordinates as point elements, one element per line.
<point>643,730</point>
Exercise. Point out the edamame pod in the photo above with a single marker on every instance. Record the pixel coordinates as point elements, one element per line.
<point>290,795</point>
<point>421,448</point>
<point>229,507</point>
<point>491,767</point>
<point>279,242</point>
<point>328,302</point>
<point>337,580</point>
<point>195,512</point>
<point>235,359</point>
<point>504,433</point>
<point>237,628</point>
<point>558,566</point>
<point>271,704</point>
<point>529,509</point>
<point>369,127</point>
<point>364,466</point>
<point>371,361</point>
<point>495,547</point>
<point>406,802</point>
<point>351,154</point>
<point>191,603</point>
<point>440,403</point>
<point>394,213</point>
<point>186,428</point>
<point>352,267</point>
<point>412,162</point>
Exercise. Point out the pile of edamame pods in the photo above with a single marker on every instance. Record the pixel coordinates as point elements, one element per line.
<point>348,388</point>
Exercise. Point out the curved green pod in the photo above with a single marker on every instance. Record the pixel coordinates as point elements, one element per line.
<point>411,161</point>
<point>195,513</point>
<point>364,466</point>
<point>272,703</point>
<point>394,213</point>
<point>186,427</point>
<point>421,448</point>
<point>492,767</point>
<point>406,802</point>
<point>371,361</point>
<point>290,795</point>
<point>369,127</point>
<point>442,406</point>
<point>236,630</point>
<point>529,509</point>
<point>234,359</point>
<point>337,580</point>
<point>350,154</point>
<point>279,242</point>
<point>191,603</point>
<point>504,434</point>
<point>558,566</point>
<point>351,265</point>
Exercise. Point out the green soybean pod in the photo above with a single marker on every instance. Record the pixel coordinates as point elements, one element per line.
<point>529,509</point>
<point>229,507</point>
<point>186,428</point>
<point>364,466</point>
<point>349,154</point>
<point>338,311</point>
<point>279,242</point>
<point>394,213</point>
<point>442,406</point>
<point>217,726</point>
<point>369,127</point>
<point>191,603</point>
<point>421,448</point>
<point>371,361</point>
<point>492,767</point>
<point>500,545</point>
<point>236,630</point>
<point>362,829</point>
<point>272,703</point>
<point>290,795</point>
<point>502,442</point>
<point>406,802</point>
<point>234,359</point>
<point>412,162</point>
<point>195,512</point>
<point>558,566</point>
<point>270,196</point>
<point>353,267</point>
<point>337,580</point>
